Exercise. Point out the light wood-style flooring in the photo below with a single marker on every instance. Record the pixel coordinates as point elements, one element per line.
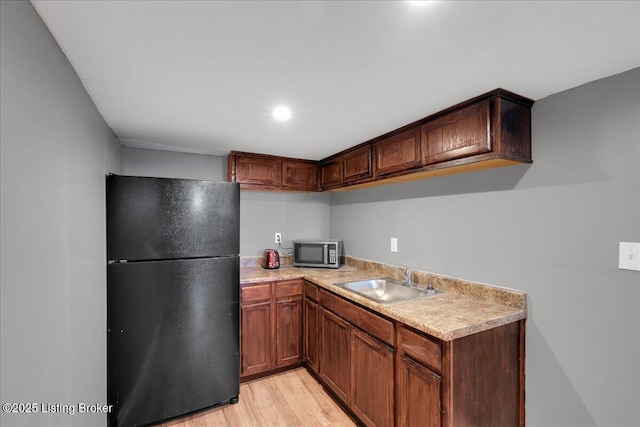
<point>292,398</point>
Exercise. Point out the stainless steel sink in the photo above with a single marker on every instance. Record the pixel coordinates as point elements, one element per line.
<point>387,291</point>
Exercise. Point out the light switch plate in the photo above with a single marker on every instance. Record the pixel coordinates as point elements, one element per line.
<point>629,256</point>
<point>394,244</point>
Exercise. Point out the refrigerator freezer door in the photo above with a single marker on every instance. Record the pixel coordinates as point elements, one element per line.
<point>163,218</point>
<point>173,337</point>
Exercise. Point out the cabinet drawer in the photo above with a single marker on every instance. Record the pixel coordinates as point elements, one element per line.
<point>311,291</point>
<point>368,322</point>
<point>256,293</point>
<point>420,348</point>
<point>289,288</point>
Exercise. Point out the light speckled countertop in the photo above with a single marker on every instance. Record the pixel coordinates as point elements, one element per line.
<point>464,309</point>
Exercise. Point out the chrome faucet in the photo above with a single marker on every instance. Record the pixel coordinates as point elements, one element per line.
<point>406,274</point>
<point>407,277</point>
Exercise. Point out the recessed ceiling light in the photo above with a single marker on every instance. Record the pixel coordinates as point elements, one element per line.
<point>281,113</point>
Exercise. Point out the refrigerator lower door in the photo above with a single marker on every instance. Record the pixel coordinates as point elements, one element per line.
<point>173,337</point>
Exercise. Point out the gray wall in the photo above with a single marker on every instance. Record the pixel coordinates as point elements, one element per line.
<point>55,149</point>
<point>169,164</point>
<point>551,229</point>
<point>295,215</point>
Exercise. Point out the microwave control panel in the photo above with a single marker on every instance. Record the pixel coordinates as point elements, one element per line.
<point>332,254</point>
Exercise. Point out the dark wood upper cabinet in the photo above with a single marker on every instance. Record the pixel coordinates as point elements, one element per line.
<point>357,164</point>
<point>272,173</point>
<point>459,134</point>
<point>351,166</point>
<point>255,171</point>
<point>397,153</point>
<point>300,175</point>
<point>488,131</point>
<point>331,172</point>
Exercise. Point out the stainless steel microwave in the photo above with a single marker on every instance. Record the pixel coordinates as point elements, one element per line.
<point>329,254</point>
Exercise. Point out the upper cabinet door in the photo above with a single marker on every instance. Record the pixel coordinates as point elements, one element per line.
<point>258,171</point>
<point>272,173</point>
<point>398,153</point>
<point>462,133</point>
<point>299,175</point>
<point>331,173</point>
<point>357,164</point>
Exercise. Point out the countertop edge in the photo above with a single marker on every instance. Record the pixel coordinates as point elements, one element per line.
<point>396,311</point>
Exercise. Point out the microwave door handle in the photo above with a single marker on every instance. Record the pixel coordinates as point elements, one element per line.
<point>324,254</point>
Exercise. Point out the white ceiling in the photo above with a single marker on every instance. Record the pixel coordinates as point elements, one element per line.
<point>203,76</point>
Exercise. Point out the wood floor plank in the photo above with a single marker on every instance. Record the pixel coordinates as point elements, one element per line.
<point>314,405</point>
<point>293,398</point>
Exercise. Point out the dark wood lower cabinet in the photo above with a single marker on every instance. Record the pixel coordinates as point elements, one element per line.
<point>311,334</point>
<point>335,354</point>
<point>371,379</point>
<point>411,378</point>
<point>256,339</point>
<point>417,395</point>
<point>271,326</point>
<point>486,374</point>
<point>288,331</point>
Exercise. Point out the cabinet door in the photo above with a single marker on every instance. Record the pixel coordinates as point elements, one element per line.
<point>335,354</point>
<point>257,171</point>
<point>459,134</point>
<point>299,175</point>
<point>312,334</point>
<point>398,153</point>
<point>371,380</point>
<point>331,173</point>
<point>418,395</point>
<point>288,331</point>
<point>357,164</point>
<point>256,338</point>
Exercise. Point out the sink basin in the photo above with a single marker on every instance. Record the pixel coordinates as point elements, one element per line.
<point>387,291</point>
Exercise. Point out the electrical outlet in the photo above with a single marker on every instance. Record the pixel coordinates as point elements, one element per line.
<point>629,256</point>
<point>394,244</point>
<point>278,237</point>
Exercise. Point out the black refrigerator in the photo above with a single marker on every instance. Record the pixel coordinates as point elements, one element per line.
<point>173,274</point>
